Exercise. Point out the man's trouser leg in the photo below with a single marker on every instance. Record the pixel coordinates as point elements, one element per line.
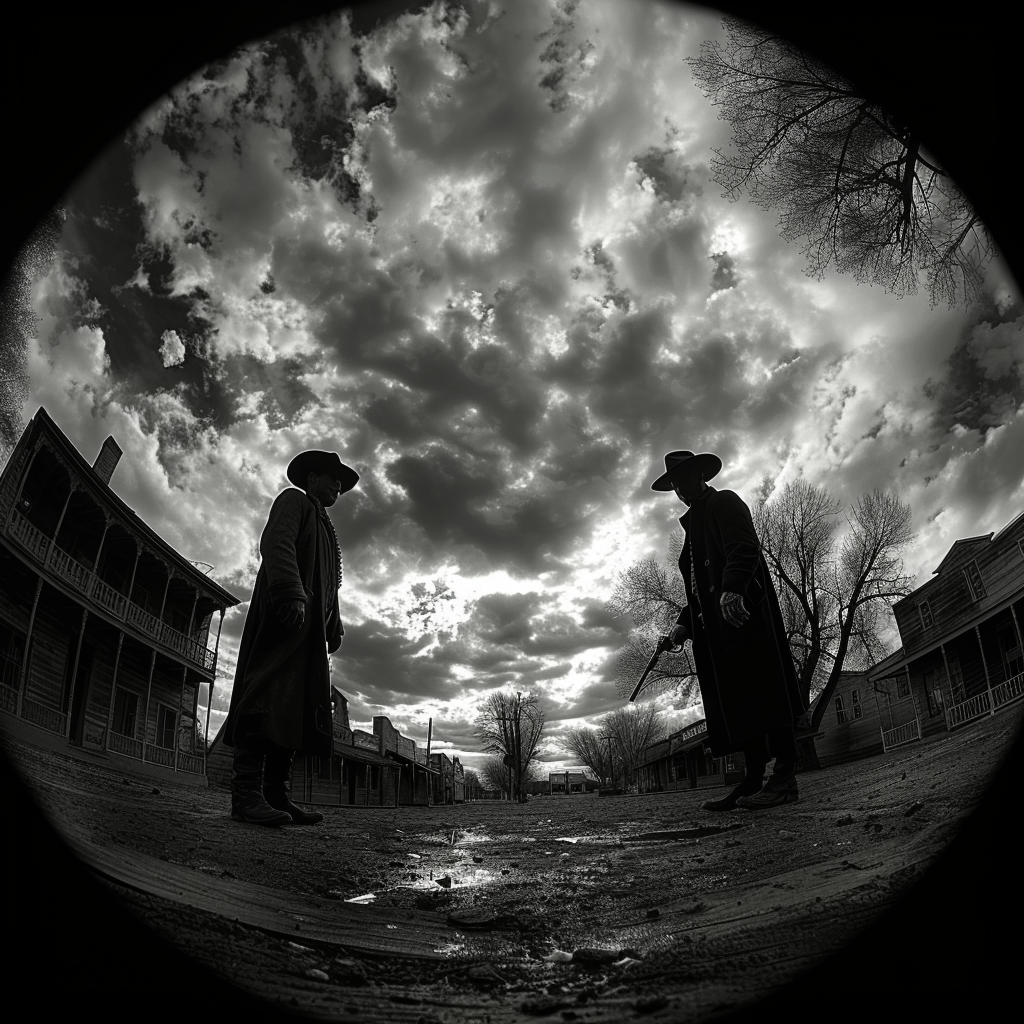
<point>277,786</point>
<point>247,803</point>
<point>781,787</point>
<point>755,757</point>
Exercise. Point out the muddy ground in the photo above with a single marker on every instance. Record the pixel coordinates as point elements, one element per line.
<point>579,908</point>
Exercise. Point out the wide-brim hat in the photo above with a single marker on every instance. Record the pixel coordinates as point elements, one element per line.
<point>313,461</point>
<point>706,464</point>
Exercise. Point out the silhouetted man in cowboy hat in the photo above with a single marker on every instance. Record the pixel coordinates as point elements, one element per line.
<point>281,700</point>
<point>744,668</point>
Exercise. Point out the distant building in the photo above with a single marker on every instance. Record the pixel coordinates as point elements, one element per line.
<point>568,782</point>
<point>105,629</point>
<point>682,761</point>
<point>961,656</point>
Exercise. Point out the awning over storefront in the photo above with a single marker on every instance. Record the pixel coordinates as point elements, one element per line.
<point>405,762</point>
<point>349,753</point>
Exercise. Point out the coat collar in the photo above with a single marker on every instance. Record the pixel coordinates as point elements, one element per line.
<point>684,519</point>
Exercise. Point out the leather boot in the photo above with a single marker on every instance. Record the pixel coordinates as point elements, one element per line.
<point>247,803</point>
<point>781,788</point>
<point>277,787</point>
<point>750,784</point>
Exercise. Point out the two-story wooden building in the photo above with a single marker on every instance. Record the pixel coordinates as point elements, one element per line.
<point>448,784</point>
<point>105,637</point>
<point>961,654</point>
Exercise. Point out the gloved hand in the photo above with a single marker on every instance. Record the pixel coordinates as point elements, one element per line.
<point>734,611</point>
<point>291,613</point>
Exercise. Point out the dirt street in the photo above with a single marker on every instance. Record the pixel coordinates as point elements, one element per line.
<point>586,908</point>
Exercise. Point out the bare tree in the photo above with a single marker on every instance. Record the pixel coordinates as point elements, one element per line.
<point>856,184</point>
<point>511,725</point>
<point>632,729</point>
<point>835,592</point>
<point>591,747</point>
<point>18,322</point>
<point>654,596</point>
<point>494,774</point>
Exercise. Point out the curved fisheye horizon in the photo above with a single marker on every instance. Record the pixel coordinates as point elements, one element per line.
<point>502,284</point>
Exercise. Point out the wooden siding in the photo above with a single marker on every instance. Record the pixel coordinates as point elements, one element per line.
<point>1001,566</point>
<point>855,736</point>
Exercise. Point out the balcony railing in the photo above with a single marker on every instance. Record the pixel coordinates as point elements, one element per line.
<point>1008,691</point>
<point>896,737</point>
<point>127,745</point>
<point>190,763</point>
<point>41,715</point>
<point>967,710</point>
<point>62,565</point>
<point>160,755</point>
<point>9,699</point>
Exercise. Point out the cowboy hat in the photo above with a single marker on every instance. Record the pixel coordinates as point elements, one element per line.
<point>706,464</point>
<point>321,462</point>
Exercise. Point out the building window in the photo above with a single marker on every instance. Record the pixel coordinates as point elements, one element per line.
<point>126,709</point>
<point>1009,648</point>
<point>165,727</point>
<point>12,648</point>
<point>840,711</point>
<point>975,584</point>
<point>855,703</point>
<point>902,686</point>
<point>925,611</point>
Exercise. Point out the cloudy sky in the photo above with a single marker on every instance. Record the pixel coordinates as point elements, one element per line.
<point>481,256</point>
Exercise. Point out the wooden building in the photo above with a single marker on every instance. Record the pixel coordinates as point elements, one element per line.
<point>355,775</point>
<point>961,654</point>
<point>448,784</point>
<point>852,726</point>
<point>105,629</point>
<point>681,761</point>
<point>566,783</point>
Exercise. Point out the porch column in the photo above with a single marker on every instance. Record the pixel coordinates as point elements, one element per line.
<point>23,677</point>
<point>366,791</point>
<point>149,695</point>
<point>398,784</point>
<point>135,569</point>
<point>60,523</point>
<point>177,724</point>
<point>1016,626</point>
<point>113,690</point>
<point>913,698</point>
<point>99,551</point>
<point>74,673</point>
<point>163,606</point>
<point>216,646</point>
<point>191,622</point>
<point>949,684</point>
<point>206,730</point>
<point>195,715</point>
<point>341,778</point>
<point>984,665</point>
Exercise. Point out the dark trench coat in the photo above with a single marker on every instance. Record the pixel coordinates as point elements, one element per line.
<point>282,687</point>
<point>747,681</point>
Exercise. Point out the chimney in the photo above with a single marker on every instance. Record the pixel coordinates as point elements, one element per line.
<point>107,460</point>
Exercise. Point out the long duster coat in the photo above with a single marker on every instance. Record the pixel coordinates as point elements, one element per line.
<point>746,675</point>
<point>282,688</point>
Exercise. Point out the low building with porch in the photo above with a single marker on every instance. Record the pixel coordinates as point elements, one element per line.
<point>961,654</point>
<point>683,761</point>
<point>105,629</point>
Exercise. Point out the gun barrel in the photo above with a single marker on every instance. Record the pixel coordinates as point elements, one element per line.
<point>662,645</point>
